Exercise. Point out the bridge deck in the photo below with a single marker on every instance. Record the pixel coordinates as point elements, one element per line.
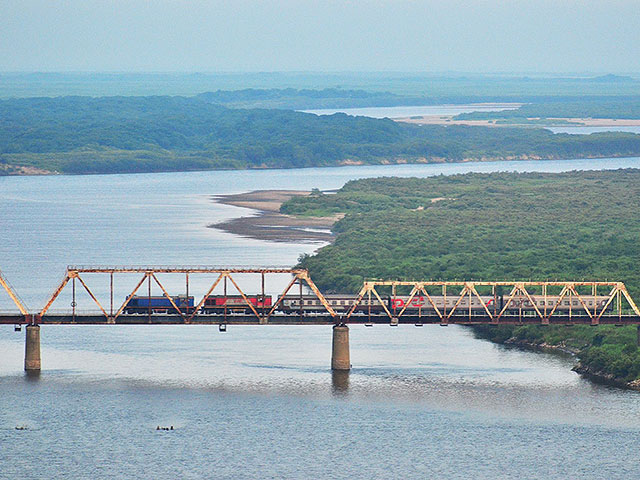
<point>311,319</point>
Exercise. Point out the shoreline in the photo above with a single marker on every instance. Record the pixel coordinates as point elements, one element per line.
<point>267,223</point>
<point>599,377</point>
<point>553,122</point>
<point>7,171</point>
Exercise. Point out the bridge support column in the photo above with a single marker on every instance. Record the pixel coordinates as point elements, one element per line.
<point>340,359</point>
<point>32,349</point>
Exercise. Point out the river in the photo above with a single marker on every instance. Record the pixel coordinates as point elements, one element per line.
<point>261,402</point>
<point>417,110</point>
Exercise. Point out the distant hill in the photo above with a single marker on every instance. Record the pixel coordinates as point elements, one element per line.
<point>291,98</point>
<point>613,79</point>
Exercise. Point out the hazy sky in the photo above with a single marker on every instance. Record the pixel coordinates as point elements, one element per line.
<point>302,35</point>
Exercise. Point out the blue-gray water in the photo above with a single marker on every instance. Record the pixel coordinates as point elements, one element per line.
<point>410,111</point>
<point>261,402</point>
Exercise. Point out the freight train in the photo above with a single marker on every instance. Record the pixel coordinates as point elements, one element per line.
<point>213,304</point>
<point>292,304</point>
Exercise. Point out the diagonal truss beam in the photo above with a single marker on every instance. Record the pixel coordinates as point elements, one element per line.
<point>211,289</point>
<point>5,284</point>
<point>166,294</point>
<point>93,297</point>
<point>55,294</point>
<point>246,300</point>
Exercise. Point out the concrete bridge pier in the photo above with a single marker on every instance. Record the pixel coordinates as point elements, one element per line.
<point>340,359</point>
<point>32,349</point>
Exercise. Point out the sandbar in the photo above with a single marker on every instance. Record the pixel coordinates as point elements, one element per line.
<point>267,223</point>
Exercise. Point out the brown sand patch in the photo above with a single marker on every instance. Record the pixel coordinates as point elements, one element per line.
<point>269,223</point>
<point>23,170</point>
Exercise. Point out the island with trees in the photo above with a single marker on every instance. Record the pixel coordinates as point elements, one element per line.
<point>500,226</point>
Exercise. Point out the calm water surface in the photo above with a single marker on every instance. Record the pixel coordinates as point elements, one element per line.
<point>261,402</point>
<point>411,111</point>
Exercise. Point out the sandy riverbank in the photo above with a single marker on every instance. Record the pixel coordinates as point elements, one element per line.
<point>269,224</point>
<point>559,122</point>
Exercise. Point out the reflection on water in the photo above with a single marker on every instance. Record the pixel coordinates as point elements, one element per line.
<point>411,111</point>
<point>32,375</point>
<point>340,381</point>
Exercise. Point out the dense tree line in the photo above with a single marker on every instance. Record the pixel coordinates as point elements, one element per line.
<point>499,226</point>
<point>133,134</point>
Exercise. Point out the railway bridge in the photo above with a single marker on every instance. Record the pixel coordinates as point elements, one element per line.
<point>241,296</point>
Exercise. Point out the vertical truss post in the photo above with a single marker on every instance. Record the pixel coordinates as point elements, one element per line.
<point>444,301</point>
<point>570,303</point>
<point>149,298</point>
<point>394,294</point>
<point>73,298</point>
<point>225,298</point>
<point>619,306</point>
<point>263,298</point>
<point>111,295</point>
<point>495,301</point>
<point>186,287</point>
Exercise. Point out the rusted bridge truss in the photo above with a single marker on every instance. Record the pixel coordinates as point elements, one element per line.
<point>611,311</point>
<point>224,276</point>
<point>423,302</point>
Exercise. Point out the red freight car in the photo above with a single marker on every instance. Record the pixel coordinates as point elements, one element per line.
<point>235,303</point>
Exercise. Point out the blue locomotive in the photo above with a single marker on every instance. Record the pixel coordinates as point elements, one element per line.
<point>139,304</point>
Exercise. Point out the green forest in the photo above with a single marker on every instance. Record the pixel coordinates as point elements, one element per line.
<point>79,135</point>
<point>499,226</point>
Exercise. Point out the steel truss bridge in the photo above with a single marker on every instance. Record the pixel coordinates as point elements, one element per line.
<point>618,308</point>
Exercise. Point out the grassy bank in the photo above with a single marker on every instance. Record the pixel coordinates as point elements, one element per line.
<point>500,226</point>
